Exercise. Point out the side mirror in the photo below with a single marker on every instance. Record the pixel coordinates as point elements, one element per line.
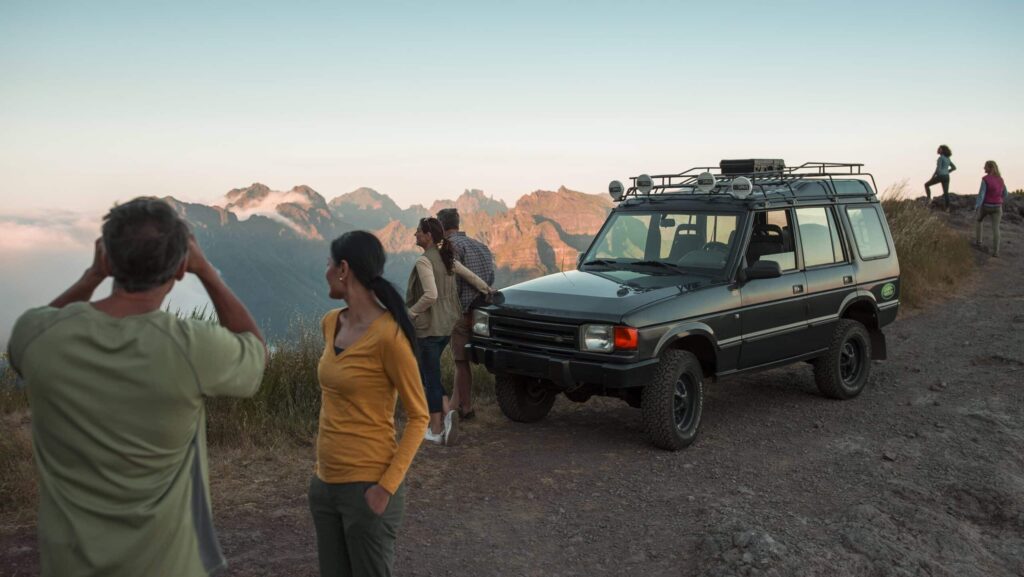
<point>762,269</point>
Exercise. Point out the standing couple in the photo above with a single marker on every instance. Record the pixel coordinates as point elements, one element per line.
<point>439,304</point>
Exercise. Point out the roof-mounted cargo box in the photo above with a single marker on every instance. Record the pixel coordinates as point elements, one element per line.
<point>751,166</point>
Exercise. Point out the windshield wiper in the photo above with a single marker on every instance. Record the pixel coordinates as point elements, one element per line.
<point>601,261</point>
<point>662,264</point>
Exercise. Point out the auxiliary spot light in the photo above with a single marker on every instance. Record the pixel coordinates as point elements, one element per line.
<point>706,182</point>
<point>741,187</point>
<point>615,190</point>
<point>644,184</point>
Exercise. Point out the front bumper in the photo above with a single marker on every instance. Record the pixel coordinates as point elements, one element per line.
<point>562,371</point>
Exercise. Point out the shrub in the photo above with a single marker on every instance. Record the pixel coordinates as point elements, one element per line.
<point>933,257</point>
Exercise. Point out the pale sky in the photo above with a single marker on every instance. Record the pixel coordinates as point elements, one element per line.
<point>103,101</point>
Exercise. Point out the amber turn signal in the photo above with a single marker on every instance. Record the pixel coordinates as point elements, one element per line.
<point>626,339</point>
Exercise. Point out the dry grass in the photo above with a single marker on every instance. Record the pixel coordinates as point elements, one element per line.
<point>287,407</point>
<point>17,473</point>
<point>934,258</point>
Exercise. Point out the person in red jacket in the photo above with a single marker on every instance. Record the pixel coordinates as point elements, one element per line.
<point>990,204</point>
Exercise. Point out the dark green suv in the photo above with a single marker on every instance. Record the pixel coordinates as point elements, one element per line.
<point>704,274</point>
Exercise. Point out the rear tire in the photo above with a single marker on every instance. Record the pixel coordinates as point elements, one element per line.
<point>671,404</point>
<point>523,399</point>
<point>845,368</point>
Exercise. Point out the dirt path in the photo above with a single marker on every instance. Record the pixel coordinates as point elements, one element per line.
<point>923,474</point>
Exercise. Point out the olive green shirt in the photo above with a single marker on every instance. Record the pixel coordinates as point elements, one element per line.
<point>118,434</point>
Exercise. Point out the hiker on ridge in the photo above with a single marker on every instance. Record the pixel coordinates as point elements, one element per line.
<point>991,196</point>
<point>943,166</point>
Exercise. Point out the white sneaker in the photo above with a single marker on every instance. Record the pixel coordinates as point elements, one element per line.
<point>451,428</point>
<point>433,437</point>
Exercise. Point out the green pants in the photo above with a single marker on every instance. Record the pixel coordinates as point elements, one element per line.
<point>996,214</point>
<point>351,539</point>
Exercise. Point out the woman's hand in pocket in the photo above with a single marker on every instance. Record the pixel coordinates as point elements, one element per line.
<point>377,499</point>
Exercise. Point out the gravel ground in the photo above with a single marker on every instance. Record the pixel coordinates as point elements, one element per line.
<point>923,474</point>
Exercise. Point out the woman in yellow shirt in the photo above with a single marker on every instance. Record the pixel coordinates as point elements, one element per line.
<point>368,363</point>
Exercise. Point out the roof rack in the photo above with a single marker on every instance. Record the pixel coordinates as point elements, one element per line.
<point>768,178</point>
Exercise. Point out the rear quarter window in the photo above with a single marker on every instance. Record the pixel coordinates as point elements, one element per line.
<point>868,231</point>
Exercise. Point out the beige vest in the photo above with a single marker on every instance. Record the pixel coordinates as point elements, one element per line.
<point>438,320</point>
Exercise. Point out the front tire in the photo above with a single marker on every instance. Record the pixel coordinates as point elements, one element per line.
<point>671,404</point>
<point>523,399</point>
<point>845,368</point>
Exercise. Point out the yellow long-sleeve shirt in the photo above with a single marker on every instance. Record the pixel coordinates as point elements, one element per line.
<point>358,390</point>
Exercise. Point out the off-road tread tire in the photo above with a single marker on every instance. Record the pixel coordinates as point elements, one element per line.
<point>515,403</point>
<point>826,369</point>
<point>656,404</point>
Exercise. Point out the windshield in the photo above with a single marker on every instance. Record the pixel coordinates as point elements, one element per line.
<point>677,241</point>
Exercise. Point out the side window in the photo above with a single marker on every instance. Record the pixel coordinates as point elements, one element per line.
<point>819,237</point>
<point>867,231</point>
<point>772,239</point>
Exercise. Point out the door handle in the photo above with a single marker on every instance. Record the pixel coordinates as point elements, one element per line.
<point>847,279</point>
<point>798,289</point>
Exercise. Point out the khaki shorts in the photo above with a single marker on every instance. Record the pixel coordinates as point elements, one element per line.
<point>460,336</point>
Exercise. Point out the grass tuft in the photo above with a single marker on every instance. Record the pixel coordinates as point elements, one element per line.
<point>934,258</point>
<point>17,472</point>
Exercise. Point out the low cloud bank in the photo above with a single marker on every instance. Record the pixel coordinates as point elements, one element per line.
<point>43,254</point>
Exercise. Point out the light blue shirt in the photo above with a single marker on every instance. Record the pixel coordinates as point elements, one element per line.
<point>944,166</point>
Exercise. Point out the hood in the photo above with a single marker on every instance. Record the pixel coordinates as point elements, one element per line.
<point>603,295</point>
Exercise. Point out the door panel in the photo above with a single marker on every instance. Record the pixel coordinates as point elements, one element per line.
<point>827,288</point>
<point>773,318</point>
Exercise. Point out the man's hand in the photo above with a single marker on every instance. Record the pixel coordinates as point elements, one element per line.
<point>100,268</point>
<point>83,288</point>
<point>377,499</point>
<point>197,263</point>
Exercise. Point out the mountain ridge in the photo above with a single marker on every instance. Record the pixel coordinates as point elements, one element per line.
<point>272,244</point>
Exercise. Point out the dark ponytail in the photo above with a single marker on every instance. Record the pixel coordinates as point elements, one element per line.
<point>366,257</point>
<point>433,227</point>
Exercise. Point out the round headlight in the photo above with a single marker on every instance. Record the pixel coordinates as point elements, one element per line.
<point>481,323</point>
<point>598,338</point>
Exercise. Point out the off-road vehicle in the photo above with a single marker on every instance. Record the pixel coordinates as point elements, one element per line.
<point>709,273</point>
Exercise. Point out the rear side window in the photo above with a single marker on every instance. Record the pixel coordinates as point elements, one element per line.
<point>818,236</point>
<point>868,232</point>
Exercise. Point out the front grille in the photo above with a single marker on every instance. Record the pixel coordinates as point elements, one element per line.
<point>535,333</point>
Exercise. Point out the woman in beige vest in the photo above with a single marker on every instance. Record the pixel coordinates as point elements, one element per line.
<point>433,303</point>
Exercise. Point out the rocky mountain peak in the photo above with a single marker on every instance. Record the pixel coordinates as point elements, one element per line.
<point>316,200</point>
<point>472,200</point>
<point>248,196</point>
